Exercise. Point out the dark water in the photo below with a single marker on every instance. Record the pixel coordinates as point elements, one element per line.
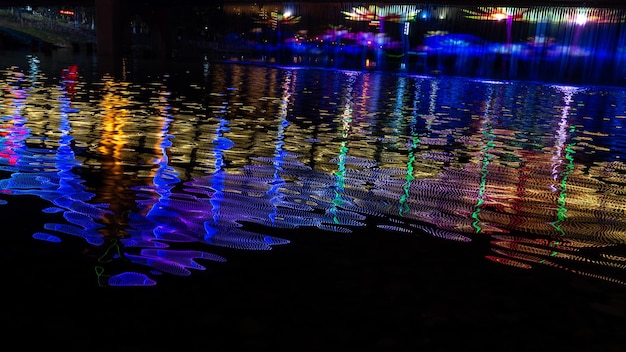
<point>265,198</point>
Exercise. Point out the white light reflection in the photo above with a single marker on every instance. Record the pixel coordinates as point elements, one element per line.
<point>562,160</point>
<point>274,192</point>
<point>562,132</point>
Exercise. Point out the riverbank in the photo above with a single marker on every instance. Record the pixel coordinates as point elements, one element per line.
<point>26,28</point>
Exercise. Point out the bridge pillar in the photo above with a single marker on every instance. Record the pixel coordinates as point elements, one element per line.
<point>108,27</point>
<point>161,24</point>
<point>112,32</point>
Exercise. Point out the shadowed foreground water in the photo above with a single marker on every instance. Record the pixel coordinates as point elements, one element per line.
<point>310,207</point>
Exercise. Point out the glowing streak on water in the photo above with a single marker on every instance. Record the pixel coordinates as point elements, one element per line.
<point>279,154</point>
<point>562,209</point>
<point>565,149</point>
<point>220,144</point>
<point>163,176</point>
<point>487,130</point>
<point>414,141</point>
<point>346,120</point>
<point>65,155</point>
<point>18,133</point>
<point>217,180</point>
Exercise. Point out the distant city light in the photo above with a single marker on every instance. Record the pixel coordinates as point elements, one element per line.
<point>496,13</point>
<point>499,16</point>
<point>581,19</point>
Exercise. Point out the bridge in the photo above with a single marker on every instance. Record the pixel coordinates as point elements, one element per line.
<point>113,32</point>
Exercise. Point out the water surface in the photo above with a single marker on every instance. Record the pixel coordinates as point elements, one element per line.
<point>154,172</point>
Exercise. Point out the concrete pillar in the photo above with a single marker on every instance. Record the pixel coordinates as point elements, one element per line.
<point>109,28</point>
<point>163,38</point>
